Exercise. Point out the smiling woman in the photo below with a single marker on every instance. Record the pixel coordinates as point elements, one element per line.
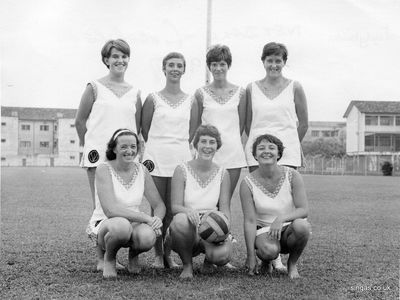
<point>117,220</point>
<point>107,104</point>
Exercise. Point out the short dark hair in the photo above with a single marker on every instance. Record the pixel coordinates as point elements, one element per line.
<point>118,44</point>
<point>269,138</point>
<point>173,55</point>
<point>112,143</point>
<point>208,130</point>
<point>274,49</point>
<point>217,53</point>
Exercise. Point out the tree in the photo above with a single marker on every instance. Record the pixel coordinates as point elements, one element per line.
<point>326,147</point>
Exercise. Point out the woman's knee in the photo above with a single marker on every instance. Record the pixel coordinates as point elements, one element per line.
<point>117,229</point>
<point>301,228</point>
<point>143,237</point>
<point>219,255</point>
<point>180,224</point>
<point>268,249</point>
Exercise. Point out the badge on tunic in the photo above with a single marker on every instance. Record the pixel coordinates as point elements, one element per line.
<point>93,156</point>
<point>149,164</point>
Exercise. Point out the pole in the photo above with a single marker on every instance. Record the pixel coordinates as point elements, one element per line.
<point>208,38</point>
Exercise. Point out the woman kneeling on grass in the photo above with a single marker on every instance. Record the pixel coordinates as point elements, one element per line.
<point>275,206</point>
<point>117,221</point>
<point>199,186</point>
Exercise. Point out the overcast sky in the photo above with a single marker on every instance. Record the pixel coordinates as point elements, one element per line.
<point>338,50</point>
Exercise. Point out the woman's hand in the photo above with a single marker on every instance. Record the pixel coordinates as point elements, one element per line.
<point>276,229</point>
<point>251,265</point>
<point>155,223</point>
<point>194,218</point>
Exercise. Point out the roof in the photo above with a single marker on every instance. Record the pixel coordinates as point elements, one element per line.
<point>376,107</point>
<point>326,124</point>
<point>38,113</point>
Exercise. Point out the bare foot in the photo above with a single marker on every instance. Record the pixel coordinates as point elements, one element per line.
<point>292,272</point>
<point>171,263</point>
<point>109,269</point>
<point>158,262</point>
<point>266,267</point>
<point>207,267</point>
<point>230,266</point>
<point>278,265</point>
<point>100,265</point>
<point>134,266</point>
<point>187,273</point>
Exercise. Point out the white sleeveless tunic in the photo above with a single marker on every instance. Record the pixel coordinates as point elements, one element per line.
<point>109,113</point>
<point>224,115</point>
<point>129,195</point>
<point>269,205</point>
<point>199,195</point>
<point>277,117</point>
<point>167,145</point>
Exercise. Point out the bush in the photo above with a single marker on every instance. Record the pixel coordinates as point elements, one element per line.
<point>387,168</point>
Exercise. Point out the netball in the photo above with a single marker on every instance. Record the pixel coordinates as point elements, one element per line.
<point>214,227</point>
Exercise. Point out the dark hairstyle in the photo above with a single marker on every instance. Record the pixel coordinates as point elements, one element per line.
<point>173,55</point>
<point>112,143</point>
<point>208,130</point>
<point>274,49</point>
<point>118,44</point>
<point>269,138</point>
<point>217,53</point>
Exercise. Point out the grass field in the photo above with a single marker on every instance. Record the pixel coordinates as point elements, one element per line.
<point>353,252</point>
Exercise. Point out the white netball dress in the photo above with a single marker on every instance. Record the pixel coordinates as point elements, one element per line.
<point>129,194</point>
<point>223,114</point>
<point>109,113</point>
<point>278,117</point>
<point>202,195</point>
<point>167,145</point>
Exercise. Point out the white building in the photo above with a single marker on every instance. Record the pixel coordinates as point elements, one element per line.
<point>38,137</point>
<point>373,128</point>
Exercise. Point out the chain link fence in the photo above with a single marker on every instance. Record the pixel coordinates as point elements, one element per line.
<point>350,165</point>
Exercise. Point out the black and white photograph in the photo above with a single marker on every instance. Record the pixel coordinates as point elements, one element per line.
<point>200,149</point>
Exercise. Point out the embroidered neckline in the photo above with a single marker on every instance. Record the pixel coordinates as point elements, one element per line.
<point>220,99</point>
<point>203,184</point>
<point>118,91</point>
<point>126,185</point>
<point>277,188</point>
<point>265,91</point>
<point>172,104</point>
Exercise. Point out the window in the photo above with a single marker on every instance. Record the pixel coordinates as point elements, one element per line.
<point>369,142</point>
<point>72,141</point>
<point>55,127</point>
<point>44,144</point>
<point>3,123</point>
<point>72,157</point>
<point>386,120</point>
<point>371,120</point>
<point>326,133</point>
<point>25,127</point>
<point>44,127</point>
<point>314,133</point>
<point>3,159</point>
<point>72,125</point>
<point>397,120</point>
<point>3,140</point>
<point>25,144</point>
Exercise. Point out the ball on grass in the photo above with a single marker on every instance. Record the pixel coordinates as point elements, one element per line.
<point>214,227</point>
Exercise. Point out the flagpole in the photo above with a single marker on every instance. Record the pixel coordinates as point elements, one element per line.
<point>208,39</point>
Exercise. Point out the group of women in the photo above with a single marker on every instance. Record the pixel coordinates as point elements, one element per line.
<point>180,186</point>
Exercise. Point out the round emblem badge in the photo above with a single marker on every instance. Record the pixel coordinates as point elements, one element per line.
<point>93,156</point>
<point>149,164</point>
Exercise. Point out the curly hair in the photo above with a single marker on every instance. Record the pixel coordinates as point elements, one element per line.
<point>112,143</point>
<point>208,130</point>
<point>269,138</point>
<point>217,53</point>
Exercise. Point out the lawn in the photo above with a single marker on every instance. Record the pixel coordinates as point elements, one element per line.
<point>353,252</point>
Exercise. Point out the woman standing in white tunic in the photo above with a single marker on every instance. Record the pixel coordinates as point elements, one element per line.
<point>166,129</point>
<point>278,106</point>
<point>223,105</point>
<point>107,104</point>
